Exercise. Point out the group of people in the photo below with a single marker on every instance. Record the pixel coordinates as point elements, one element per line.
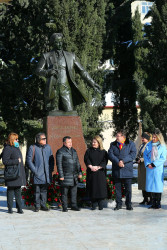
<point>122,153</point>
<point>151,157</point>
<point>41,162</point>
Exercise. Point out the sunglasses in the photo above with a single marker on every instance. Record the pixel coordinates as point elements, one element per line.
<point>43,139</point>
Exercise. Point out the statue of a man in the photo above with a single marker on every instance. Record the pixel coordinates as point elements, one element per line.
<point>62,92</point>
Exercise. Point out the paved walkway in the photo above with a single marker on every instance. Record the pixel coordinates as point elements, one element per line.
<point>141,228</point>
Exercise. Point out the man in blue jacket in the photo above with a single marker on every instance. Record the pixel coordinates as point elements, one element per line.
<point>41,162</point>
<point>121,153</point>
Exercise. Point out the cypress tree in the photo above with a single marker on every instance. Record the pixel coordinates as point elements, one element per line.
<point>153,90</point>
<point>140,52</point>
<point>121,82</point>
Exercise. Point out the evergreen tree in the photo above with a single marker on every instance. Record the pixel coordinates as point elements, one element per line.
<point>26,26</point>
<point>3,126</point>
<point>21,94</point>
<point>121,82</point>
<point>153,87</point>
<point>140,52</point>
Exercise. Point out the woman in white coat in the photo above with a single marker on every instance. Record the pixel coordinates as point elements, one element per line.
<point>154,158</point>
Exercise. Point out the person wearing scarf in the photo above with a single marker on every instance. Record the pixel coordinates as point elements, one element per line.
<point>142,170</point>
<point>154,158</point>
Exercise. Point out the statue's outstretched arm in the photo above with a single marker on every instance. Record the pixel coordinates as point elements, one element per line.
<point>86,76</point>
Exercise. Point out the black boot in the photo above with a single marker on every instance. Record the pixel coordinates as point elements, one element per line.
<point>158,205</point>
<point>153,201</point>
<point>145,200</point>
<point>150,201</point>
<point>158,201</point>
<point>94,205</point>
<point>20,211</point>
<point>65,209</point>
<point>152,206</point>
<point>10,211</point>
<point>100,204</point>
<point>118,206</point>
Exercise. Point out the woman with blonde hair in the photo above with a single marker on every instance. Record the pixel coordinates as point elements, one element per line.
<point>96,160</point>
<point>12,156</point>
<point>154,158</point>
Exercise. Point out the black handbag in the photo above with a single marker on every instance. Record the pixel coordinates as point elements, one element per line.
<point>12,172</point>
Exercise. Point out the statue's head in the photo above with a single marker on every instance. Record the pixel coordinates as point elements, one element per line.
<point>56,40</point>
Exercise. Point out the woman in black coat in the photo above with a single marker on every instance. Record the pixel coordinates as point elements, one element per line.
<point>12,156</point>
<point>96,160</point>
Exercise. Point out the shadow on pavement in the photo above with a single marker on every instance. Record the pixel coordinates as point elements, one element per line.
<point>3,204</point>
<point>4,210</point>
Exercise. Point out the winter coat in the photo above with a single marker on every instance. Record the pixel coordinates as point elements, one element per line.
<point>141,169</point>
<point>155,176</point>
<point>43,164</point>
<point>10,157</point>
<point>96,184</point>
<point>68,166</point>
<point>127,154</point>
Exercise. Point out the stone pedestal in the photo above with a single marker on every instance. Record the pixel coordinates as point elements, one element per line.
<point>59,126</point>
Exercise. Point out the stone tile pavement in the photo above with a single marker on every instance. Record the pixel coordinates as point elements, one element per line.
<point>141,228</point>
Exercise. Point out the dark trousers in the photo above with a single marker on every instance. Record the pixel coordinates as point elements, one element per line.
<point>156,199</point>
<point>40,195</point>
<point>64,196</point>
<point>146,195</point>
<point>11,191</point>
<point>128,190</point>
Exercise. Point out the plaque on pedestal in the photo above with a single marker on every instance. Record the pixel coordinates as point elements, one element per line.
<point>59,126</point>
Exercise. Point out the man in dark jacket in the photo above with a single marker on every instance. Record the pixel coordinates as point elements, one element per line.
<point>41,162</point>
<point>69,170</point>
<point>121,153</point>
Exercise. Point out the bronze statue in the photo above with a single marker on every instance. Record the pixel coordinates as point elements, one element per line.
<point>62,92</point>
